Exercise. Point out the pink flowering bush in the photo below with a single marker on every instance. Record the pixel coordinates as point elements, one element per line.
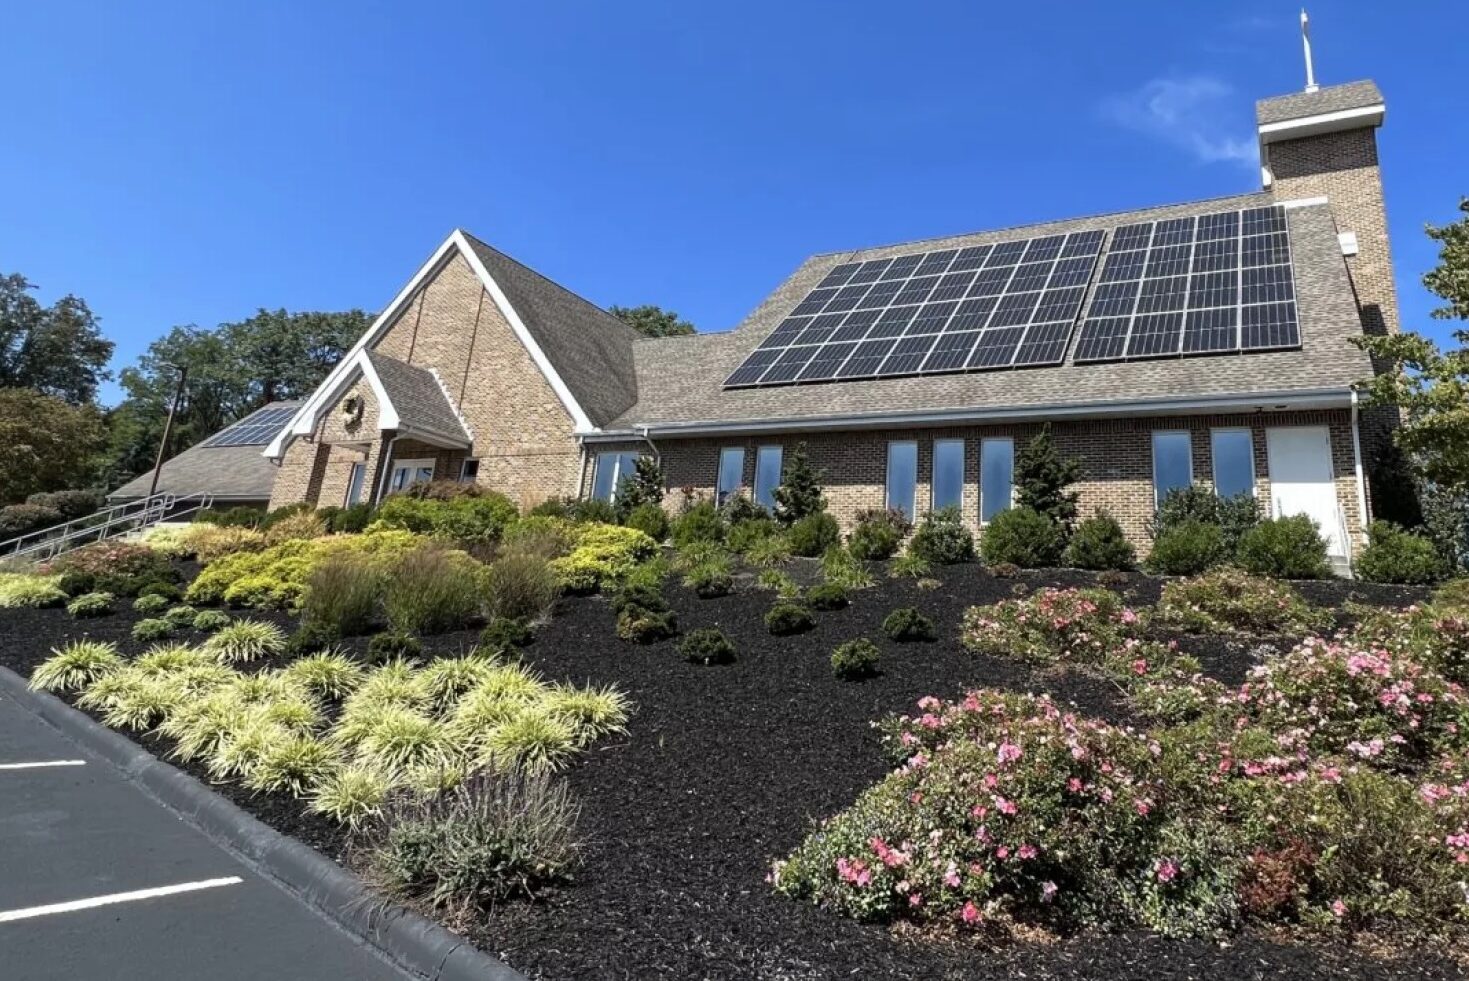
<point>1434,636</point>
<point>1080,625</point>
<point>1230,600</point>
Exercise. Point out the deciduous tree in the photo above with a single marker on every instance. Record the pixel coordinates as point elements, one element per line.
<point>651,321</point>
<point>57,350</point>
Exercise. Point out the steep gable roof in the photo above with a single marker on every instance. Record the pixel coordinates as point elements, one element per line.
<point>416,399</point>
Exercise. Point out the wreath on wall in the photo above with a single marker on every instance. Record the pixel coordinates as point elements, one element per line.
<point>352,408</point>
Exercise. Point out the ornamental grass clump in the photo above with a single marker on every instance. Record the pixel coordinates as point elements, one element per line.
<point>1080,625</point>
<point>533,740</point>
<point>591,712</point>
<point>447,678</point>
<point>22,590</point>
<point>327,675</point>
<point>244,641</point>
<point>841,567</point>
<point>344,594</point>
<point>431,590</point>
<point>76,666</point>
<point>352,795</point>
<point>292,764</point>
<point>1230,600</point>
<point>520,585</point>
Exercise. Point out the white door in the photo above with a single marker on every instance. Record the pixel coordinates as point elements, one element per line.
<point>1301,479</point>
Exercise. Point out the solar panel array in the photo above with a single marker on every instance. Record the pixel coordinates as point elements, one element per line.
<point>1005,305</point>
<point>256,429</point>
<point>1206,284</point>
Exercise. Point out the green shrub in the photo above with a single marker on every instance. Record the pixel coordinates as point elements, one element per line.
<point>548,537</point>
<point>827,596</point>
<point>70,503</point>
<point>1233,515</point>
<point>237,517</point>
<point>592,511</point>
<point>432,590</point>
<point>909,564</point>
<point>21,519</point>
<point>1187,548</point>
<point>650,519</point>
<point>942,539</point>
<point>276,576</point>
<point>878,534</point>
<point>1395,555</point>
<point>855,659</point>
<point>351,520</point>
<point>520,585</point>
<point>75,666</point>
<point>710,580</point>
<point>1226,600</point>
<point>75,583</point>
<point>181,617</point>
<point>700,523</point>
<point>91,605</point>
<point>149,630</point>
<point>643,616</point>
<point>505,636</point>
<point>1023,537</point>
<point>707,646</point>
<point>906,624</point>
<point>1284,548</point>
<point>1099,544</point>
<point>167,590</point>
<point>468,518</point>
<point>311,637</point>
<point>604,555</point>
<point>768,552</point>
<point>208,621</point>
<point>745,533</point>
<point>1043,478</point>
<point>151,603</point>
<point>344,593</point>
<point>787,617</point>
<point>393,645</point>
<point>783,585</point>
<point>813,535</point>
<point>648,596</point>
<point>119,567</point>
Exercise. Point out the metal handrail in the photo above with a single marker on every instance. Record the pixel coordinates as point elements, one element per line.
<point>110,522</point>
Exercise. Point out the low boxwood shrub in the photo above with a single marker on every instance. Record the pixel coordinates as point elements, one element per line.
<point>878,534</point>
<point>855,659</point>
<point>208,621</point>
<point>1284,548</point>
<point>152,629</point>
<point>813,535</point>
<point>906,624</point>
<point>644,626</point>
<point>182,617</point>
<point>827,596</point>
<point>942,539</point>
<point>432,590</point>
<point>1187,548</point>
<point>1395,555</point>
<point>506,635</point>
<point>707,646</point>
<point>151,603</point>
<point>1023,537</point>
<point>91,605</point>
<point>1228,600</point>
<point>700,523</point>
<point>393,645</point>
<point>787,617</point>
<point>1098,543</point>
<point>650,519</point>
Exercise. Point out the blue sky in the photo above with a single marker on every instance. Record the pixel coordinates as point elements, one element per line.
<point>179,163</point>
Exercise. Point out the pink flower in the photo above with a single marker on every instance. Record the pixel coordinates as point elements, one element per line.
<point>1143,807</point>
<point>969,914</point>
<point>1048,891</point>
<point>1338,909</point>
<point>1140,666</point>
<point>1128,616</point>
<point>1009,752</point>
<point>1002,852</point>
<point>1005,806</point>
<point>1074,785</point>
<point>916,899</point>
<point>1166,870</point>
<point>1027,851</point>
<point>951,877</point>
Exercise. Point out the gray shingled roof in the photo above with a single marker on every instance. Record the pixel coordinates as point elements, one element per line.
<point>417,397</point>
<point>1333,98</point>
<point>590,349</point>
<point>229,473</point>
<point>680,380</point>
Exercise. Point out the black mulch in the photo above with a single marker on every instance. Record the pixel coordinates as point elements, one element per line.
<point>725,769</point>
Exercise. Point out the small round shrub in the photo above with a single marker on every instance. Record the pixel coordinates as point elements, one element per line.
<point>855,659</point>
<point>700,523</point>
<point>159,587</point>
<point>906,624</point>
<point>786,618</point>
<point>208,621</point>
<point>813,535</point>
<point>151,603</point>
<point>310,637</point>
<point>643,595</point>
<point>71,503</point>
<point>1395,555</point>
<point>650,519</point>
<point>707,646</point>
<point>592,511</point>
<point>1099,544</point>
<point>877,535</point>
<point>182,617</point>
<point>90,605</point>
<point>827,596</point>
<point>1024,537</point>
<point>152,629</point>
<point>1284,548</point>
<point>504,634</point>
<point>942,539</point>
<point>644,626</point>
<point>1187,548</point>
<point>710,581</point>
<point>74,582</point>
<point>393,645</point>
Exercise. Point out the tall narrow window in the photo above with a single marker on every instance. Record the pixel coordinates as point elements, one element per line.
<point>996,477</point>
<point>948,474</point>
<point>731,473</point>
<point>354,483</point>
<point>612,470</point>
<point>902,476</point>
<point>1234,461</point>
<point>767,475</point>
<point>469,471</point>
<point>1173,464</point>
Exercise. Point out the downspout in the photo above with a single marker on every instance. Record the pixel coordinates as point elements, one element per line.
<point>581,479</point>
<point>387,467</point>
<point>1357,459</point>
<point>657,456</point>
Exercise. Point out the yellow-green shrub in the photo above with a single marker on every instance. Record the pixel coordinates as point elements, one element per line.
<point>603,555</point>
<point>277,576</point>
<point>19,589</point>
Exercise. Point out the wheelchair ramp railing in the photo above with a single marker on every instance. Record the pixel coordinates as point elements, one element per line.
<point>110,522</point>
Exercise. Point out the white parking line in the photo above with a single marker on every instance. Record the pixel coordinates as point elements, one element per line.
<point>41,763</point>
<point>7,916</point>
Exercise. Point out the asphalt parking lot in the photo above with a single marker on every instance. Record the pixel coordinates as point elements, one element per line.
<point>99,881</point>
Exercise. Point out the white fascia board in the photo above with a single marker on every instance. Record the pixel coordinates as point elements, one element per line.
<point>579,418</point>
<point>387,413</point>
<point>1304,202</point>
<point>1332,398</point>
<point>1326,122</point>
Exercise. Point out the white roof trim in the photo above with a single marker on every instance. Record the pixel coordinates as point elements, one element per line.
<point>1304,202</point>
<point>1325,122</point>
<point>309,414</point>
<point>387,413</point>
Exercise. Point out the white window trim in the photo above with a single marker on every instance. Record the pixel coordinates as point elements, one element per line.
<point>616,456</point>
<point>1189,437</point>
<point>356,467</point>
<point>464,466</point>
<point>779,470</point>
<point>409,465</point>
<point>1011,503</point>
<point>933,469</point>
<point>721,493</point>
<point>1214,458</point>
<point>887,489</point>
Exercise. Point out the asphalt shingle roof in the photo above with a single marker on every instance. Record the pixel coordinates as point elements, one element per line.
<point>1332,98</point>
<point>680,380</point>
<point>229,473</point>
<point>418,398</point>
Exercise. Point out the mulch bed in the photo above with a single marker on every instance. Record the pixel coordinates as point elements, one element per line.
<point>726,768</point>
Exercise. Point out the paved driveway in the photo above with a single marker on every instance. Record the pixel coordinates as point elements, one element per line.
<point>97,881</point>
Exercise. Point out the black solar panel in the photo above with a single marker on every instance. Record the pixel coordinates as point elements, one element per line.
<point>256,429</point>
<point>1214,284</point>
<point>983,307</point>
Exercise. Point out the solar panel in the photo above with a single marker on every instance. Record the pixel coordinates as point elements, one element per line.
<point>1012,304</point>
<point>256,429</point>
<point>1212,284</point>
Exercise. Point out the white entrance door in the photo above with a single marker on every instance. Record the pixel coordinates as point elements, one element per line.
<point>1301,479</point>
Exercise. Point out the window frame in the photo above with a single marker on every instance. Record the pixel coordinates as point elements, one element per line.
<point>1010,502</point>
<point>618,476</point>
<point>356,484</point>
<point>933,470</point>
<point>465,477</point>
<point>912,509</point>
<point>722,493</point>
<point>761,451</point>
<point>1249,436</point>
<point>426,463</point>
<point>1188,438</point>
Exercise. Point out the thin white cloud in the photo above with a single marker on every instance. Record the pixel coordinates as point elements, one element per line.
<point>1190,114</point>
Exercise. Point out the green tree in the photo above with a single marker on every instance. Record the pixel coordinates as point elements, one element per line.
<point>799,493</point>
<point>45,444</point>
<point>643,486</point>
<point>651,321</point>
<point>1043,478</point>
<point>57,350</point>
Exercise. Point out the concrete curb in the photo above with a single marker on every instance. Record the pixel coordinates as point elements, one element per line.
<point>410,941</point>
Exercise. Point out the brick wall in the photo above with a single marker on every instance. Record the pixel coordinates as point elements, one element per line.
<point>1116,457</point>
